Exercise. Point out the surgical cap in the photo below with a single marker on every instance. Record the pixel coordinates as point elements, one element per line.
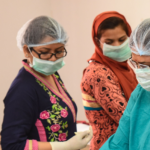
<point>40,31</point>
<point>140,39</point>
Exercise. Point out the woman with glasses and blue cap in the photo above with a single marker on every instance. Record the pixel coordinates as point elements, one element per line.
<point>39,112</point>
<point>133,131</point>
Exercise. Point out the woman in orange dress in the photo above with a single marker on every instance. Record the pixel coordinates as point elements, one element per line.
<point>108,81</point>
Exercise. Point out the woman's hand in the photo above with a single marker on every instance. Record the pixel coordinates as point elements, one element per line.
<point>78,141</point>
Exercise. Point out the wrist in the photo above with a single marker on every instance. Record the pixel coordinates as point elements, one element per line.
<point>60,145</point>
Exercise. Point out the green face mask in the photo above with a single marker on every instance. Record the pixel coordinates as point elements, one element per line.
<point>47,67</point>
<point>119,53</point>
<point>143,77</point>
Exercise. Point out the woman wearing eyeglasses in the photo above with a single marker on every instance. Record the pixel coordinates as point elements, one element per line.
<point>39,112</point>
<point>133,131</point>
<point>108,81</point>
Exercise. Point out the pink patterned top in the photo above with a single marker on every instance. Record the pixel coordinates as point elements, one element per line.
<point>103,100</point>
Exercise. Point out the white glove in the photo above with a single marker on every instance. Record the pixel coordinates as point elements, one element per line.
<point>79,141</point>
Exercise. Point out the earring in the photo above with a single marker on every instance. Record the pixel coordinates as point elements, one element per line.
<point>27,55</point>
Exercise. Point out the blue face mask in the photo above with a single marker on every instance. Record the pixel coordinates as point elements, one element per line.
<point>47,67</point>
<point>119,53</point>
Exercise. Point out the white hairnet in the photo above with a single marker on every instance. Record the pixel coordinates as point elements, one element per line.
<point>42,30</point>
<point>139,41</point>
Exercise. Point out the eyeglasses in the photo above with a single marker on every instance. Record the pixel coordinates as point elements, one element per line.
<point>46,56</point>
<point>136,65</point>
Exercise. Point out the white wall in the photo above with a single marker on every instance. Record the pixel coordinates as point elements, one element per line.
<point>13,14</point>
<point>76,16</point>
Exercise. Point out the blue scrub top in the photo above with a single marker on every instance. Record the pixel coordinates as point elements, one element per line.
<point>133,132</point>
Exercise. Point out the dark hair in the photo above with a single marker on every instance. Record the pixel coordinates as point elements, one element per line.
<point>111,23</point>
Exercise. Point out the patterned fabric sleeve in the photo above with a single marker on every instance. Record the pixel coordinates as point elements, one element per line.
<point>101,90</point>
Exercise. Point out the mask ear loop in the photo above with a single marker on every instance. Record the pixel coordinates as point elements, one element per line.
<point>101,42</point>
<point>30,51</point>
<point>131,65</point>
<point>100,46</point>
<point>31,65</point>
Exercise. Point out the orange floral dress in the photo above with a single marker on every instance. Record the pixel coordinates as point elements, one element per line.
<point>104,102</point>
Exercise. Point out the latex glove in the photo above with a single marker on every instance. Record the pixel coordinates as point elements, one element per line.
<point>79,141</point>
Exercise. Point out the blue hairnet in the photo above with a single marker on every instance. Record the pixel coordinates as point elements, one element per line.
<point>40,31</point>
<point>139,41</point>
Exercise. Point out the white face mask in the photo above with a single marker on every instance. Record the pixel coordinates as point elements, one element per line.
<point>143,77</point>
<point>119,53</point>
